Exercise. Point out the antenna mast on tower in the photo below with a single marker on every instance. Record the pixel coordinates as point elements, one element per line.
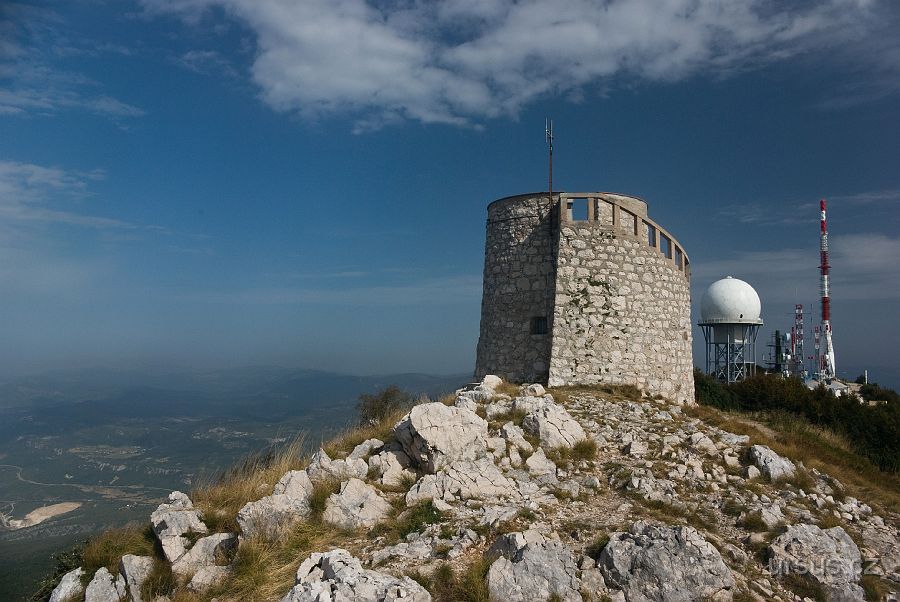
<point>548,131</point>
<point>826,368</point>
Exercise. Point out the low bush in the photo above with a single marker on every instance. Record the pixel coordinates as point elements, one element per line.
<point>872,430</point>
<point>373,408</point>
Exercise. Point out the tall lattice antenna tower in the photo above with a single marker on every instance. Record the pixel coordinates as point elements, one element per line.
<point>797,342</point>
<point>827,369</point>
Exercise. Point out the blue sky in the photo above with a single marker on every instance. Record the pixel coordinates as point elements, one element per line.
<point>207,183</point>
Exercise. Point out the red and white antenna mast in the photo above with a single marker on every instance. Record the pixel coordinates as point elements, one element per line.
<point>827,367</point>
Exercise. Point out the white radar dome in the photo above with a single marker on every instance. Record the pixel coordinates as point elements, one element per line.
<point>730,301</point>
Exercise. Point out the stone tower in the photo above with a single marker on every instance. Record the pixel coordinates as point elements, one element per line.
<point>583,289</point>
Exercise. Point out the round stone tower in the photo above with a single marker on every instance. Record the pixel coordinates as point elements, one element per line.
<point>585,288</point>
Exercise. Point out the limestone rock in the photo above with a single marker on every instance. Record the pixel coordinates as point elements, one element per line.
<point>701,442</point>
<point>464,479</point>
<point>204,552</point>
<point>829,557</point>
<point>392,464</point>
<point>69,587</point>
<point>339,577</point>
<point>531,567</point>
<point>207,576</point>
<point>287,505</point>
<point>554,426</point>
<point>323,468</point>
<point>665,563</point>
<point>884,543</point>
<point>135,570</point>
<point>531,403</point>
<point>174,519</point>
<point>434,435</point>
<point>491,381</point>
<point>635,448</point>
<point>771,464</point>
<point>541,467</point>
<point>466,403</point>
<point>770,514</point>
<point>534,390</point>
<point>357,505</point>
<point>516,437</point>
<point>498,407</point>
<point>652,489</point>
<point>364,449</point>
<point>105,588</point>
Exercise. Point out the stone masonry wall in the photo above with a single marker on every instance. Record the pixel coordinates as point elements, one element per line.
<point>518,286</point>
<point>622,313</point>
<point>617,308</point>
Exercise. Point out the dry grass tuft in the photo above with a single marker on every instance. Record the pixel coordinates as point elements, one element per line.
<point>266,569</point>
<point>611,392</point>
<point>446,584</point>
<point>107,548</point>
<point>322,490</point>
<point>345,441</point>
<point>160,582</point>
<point>510,389</point>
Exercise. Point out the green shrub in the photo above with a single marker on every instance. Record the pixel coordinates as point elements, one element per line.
<point>873,431</point>
<point>417,518</point>
<point>374,408</point>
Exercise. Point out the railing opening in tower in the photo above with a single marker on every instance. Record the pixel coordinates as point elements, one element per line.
<point>665,245</point>
<point>651,235</point>
<point>578,210</point>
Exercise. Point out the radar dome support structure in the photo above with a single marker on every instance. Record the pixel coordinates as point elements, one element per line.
<point>730,320</point>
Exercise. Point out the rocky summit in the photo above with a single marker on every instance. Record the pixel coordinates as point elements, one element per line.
<point>514,494</point>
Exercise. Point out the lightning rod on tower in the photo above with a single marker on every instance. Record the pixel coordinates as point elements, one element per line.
<point>548,132</point>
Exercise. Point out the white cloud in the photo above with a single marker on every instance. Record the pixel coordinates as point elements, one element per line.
<point>30,43</point>
<point>459,61</point>
<point>33,193</point>
<point>864,268</point>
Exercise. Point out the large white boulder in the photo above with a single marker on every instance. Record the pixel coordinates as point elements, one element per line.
<point>69,587</point>
<point>554,426</point>
<point>827,556</point>
<point>204,553</point>
<point>356,506</point>
<point>434,435</point>
<point>172,520</point>
<point>105,588</point>
<point>652,563</point>
<point>464,479</point>
<point>135,570</point>
<point>532,568</point>
<point>336,576</point>
<point>771,464</point>
<point>288,505</point>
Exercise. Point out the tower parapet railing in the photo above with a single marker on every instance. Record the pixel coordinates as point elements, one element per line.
<point>624,216</point>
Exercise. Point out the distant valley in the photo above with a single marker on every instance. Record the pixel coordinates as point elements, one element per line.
<point>115,444</point>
